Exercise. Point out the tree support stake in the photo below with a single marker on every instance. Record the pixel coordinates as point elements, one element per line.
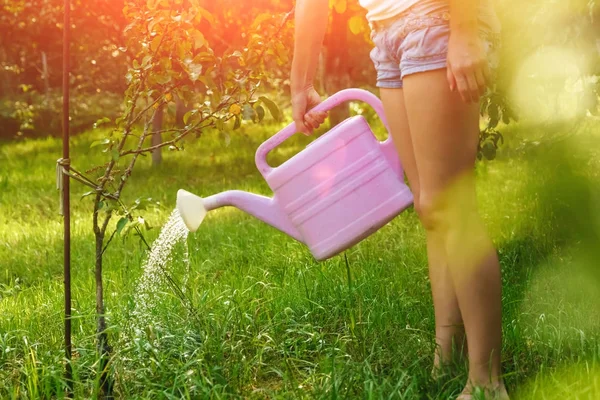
<point>64,188</point>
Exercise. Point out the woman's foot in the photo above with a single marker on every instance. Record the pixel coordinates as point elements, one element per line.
<point>439,369</point>
<point>450,350</point>
<point>495,392</point>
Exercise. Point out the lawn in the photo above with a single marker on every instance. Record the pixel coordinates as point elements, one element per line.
<point>263,319</point>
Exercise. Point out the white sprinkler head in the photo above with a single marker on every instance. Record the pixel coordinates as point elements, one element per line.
<point>191,209</point>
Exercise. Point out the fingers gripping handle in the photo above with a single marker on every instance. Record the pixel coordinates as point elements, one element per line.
<point>335,100</point>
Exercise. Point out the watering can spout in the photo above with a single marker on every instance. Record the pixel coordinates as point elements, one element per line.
<point>193,209</point>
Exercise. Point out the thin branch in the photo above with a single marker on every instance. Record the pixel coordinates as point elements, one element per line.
<point>167,130</point>
<point>139,232</point>
<point>168,142</point>
<point>108,242</point>
<point>186,131</point>
<point>129,168</point>
<point>111,164</point>
<point>79,177</point>
<point>106,221</point>
<point>143,112</point>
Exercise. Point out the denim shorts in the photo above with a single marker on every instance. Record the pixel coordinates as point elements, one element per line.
<point>417,41</point>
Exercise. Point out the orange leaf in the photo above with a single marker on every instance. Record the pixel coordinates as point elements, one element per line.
<point>356,24</point>
<point>235,109</point>
<point>340,6</point>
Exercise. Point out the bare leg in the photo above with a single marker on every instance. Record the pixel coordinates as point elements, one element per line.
<point>444,131</point>
<point>448,322</point>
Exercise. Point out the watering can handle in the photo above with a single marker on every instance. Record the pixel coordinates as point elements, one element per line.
<point>327,104</point>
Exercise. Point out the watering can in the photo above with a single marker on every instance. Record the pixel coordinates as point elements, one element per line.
<point>339,189</point>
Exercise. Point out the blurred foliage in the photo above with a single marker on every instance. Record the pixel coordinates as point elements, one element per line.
<point>31,64</point>
<point>549,62</point>
<point>31,114</point>
<point>35,27</point>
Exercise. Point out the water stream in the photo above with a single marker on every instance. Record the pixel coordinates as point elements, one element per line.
<point>157,273</point>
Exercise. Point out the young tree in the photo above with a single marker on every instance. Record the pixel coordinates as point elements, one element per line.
<point>173,58</point>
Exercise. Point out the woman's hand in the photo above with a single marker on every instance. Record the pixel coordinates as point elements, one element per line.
<point>468,69</point>
<point>311,23</point>
<point>303,100</point>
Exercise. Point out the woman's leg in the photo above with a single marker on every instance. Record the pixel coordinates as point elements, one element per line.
<point>448,322</point>
<point>444,133</point>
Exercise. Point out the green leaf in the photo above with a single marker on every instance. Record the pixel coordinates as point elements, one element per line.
<point>101,121</point>
<point>121,224</point>
<point>261,18</point>
<point>199,40</point>
<point>260,112</point>
<point>493,114</point>
<point>505,117</point>
<point>162,79</point>
<point>146,64</point>
<point>207,81</point>
<point>99,142</point>
<point>209,17</point>
<point>114,153</point>
<point>226,138</point>
<point>220,124</point>
<point>155,43</point>
<point>273,109</point>
<point>248,113</point>
<point>142,203</point>
<point>131,226</point>
<point>195,71</point>
<point>188,115</point>
<point>489,150</point>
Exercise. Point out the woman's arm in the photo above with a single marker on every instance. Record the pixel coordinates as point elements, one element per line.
<point>311,24</point>
<point>464,14</point>
<point>468,69</point>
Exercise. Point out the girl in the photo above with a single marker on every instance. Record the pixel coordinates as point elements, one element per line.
<point>431,58</point>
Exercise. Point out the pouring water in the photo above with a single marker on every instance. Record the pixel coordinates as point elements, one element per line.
<point>155,270</point>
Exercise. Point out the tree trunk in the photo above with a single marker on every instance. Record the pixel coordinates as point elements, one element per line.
<point>46,77</point>
<point>157,124</point>
<point>336,64</point>
<point>321,78</point>
<point>180,109</point>
<point>104,350</point>
<point>4,76</point>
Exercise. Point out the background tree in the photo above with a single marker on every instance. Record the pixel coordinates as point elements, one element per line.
<point>345,60</point>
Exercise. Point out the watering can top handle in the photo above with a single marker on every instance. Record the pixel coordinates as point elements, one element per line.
<point>327,104</point>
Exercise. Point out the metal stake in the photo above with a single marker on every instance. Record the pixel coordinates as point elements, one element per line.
<point>65,194</point>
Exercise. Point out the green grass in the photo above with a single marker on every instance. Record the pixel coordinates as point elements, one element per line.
<point>269,321</point>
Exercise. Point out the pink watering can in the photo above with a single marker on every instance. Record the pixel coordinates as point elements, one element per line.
<point>340,189</point>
